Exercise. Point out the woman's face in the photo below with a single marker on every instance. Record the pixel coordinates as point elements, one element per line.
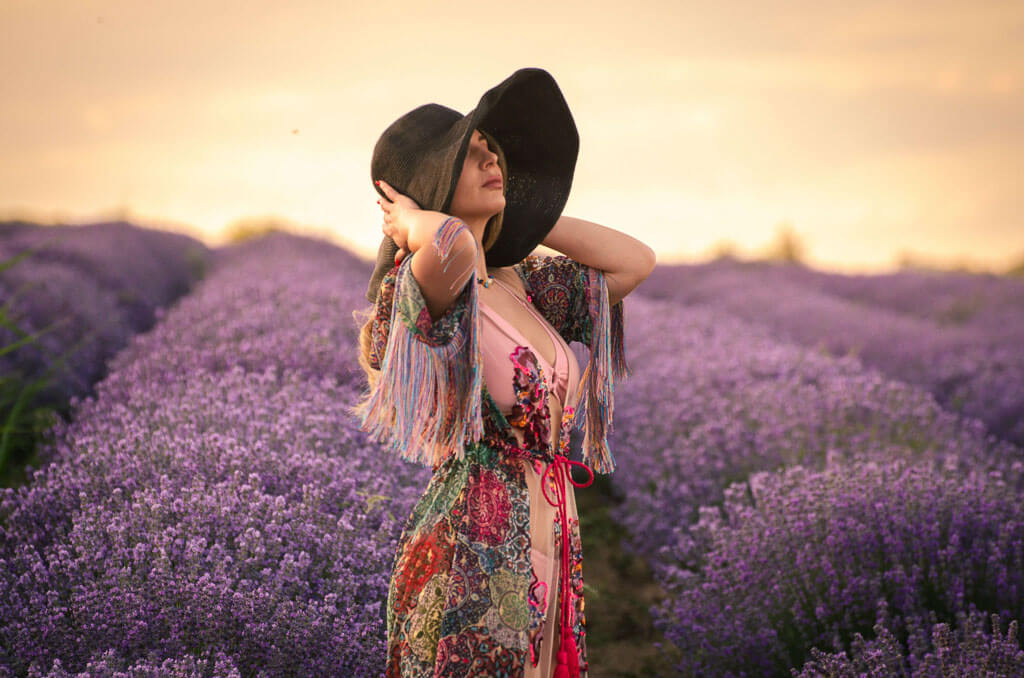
<point>480,193</point>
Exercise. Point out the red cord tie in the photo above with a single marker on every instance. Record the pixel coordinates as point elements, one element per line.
<point>568,659</point>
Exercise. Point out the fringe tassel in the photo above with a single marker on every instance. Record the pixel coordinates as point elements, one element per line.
<point>568,659</point>
<point>426,404</point>
<point>595,405</point>
<point>445,237</point>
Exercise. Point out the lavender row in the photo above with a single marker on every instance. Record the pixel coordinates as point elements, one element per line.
<point>801,559</point>
<point>145,268</point>
<point>95,285</point>
<point>972,367</point>
<point>713,399</point>
<point>215,504</point>
<point>281,300</point>
<point>949,298</point>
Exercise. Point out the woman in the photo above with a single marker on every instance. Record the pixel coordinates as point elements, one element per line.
<point>470,372</point>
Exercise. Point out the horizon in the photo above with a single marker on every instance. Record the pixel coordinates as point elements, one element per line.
<point>779,252</point>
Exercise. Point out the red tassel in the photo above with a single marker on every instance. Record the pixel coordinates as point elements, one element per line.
<point>568,660</point>
<point>561,671</point>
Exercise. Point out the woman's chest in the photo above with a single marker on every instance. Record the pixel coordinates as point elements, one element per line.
<point>507,310</point>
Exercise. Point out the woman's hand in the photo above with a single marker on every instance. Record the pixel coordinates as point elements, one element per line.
<point>413,229</point>
<point>399,217</point>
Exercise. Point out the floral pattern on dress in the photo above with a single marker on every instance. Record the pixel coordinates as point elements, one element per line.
<point>538,601</point>
<point>530,412</point>
<point>560,289</point>
<point>486,510</point>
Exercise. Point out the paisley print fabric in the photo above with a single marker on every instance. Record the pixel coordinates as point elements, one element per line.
<point>466,597</point>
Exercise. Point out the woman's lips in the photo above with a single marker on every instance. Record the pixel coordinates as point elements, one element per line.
<point>494,183</point>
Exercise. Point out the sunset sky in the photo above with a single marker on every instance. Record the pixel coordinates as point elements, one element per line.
<point>870,128</point>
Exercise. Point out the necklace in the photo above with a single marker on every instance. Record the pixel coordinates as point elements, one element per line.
<point>491,279</point>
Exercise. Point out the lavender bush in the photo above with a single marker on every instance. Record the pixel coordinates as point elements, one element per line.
<point>215,504</point>
<point>97,285</point>
<point>88,326</point>
<point>799,559</point>
<point>110,665</point>
<point>963,346</point>
<point>968,650</point>
<point>281,301</point>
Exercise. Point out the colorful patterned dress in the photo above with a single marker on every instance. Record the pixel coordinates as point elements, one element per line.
<point>465,598</point>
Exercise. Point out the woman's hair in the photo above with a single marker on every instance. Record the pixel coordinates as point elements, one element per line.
<point>365,317</point>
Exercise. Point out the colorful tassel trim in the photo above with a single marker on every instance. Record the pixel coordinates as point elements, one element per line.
<point>595,404</point>
<point>426,403</point>
<point>445,238</point>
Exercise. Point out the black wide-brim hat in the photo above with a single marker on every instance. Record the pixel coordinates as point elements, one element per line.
<point>421,156</point>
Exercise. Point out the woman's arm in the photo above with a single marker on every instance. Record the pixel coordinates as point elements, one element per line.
<point>440,278</point>
<point>626,261</point>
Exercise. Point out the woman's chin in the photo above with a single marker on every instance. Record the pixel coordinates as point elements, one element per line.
<point>491,207</point>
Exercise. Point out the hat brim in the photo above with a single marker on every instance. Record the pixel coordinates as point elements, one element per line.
<point>530,119</point>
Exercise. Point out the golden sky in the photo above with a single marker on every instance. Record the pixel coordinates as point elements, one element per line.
<point>869,128</point>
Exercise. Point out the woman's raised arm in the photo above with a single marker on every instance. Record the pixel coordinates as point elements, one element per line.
<point>441,271</point>
<point>626,261</point>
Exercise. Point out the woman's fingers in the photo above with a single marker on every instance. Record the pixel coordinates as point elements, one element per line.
<point>396,208</point>
<point>395,197</point>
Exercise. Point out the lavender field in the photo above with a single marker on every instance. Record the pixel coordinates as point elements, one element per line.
<point>70,298</point>
<point>824,474</point>
<point>958,336</point>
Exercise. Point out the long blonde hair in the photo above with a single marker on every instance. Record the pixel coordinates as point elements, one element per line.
<point>365,316</point>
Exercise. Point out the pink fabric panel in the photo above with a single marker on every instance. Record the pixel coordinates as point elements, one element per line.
<point>498,339</point>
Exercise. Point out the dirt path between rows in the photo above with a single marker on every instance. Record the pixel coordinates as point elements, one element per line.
<point>619,589</point>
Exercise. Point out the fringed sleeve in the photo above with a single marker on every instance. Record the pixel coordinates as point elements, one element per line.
<point>425,406</point>
<point>573,297</point>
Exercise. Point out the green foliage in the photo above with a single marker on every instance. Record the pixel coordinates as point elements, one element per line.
<point>198,262</point>
<point>23,420</point>
<point>247,229</point>
<point>1017,269</point>
<point>788,247</point>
